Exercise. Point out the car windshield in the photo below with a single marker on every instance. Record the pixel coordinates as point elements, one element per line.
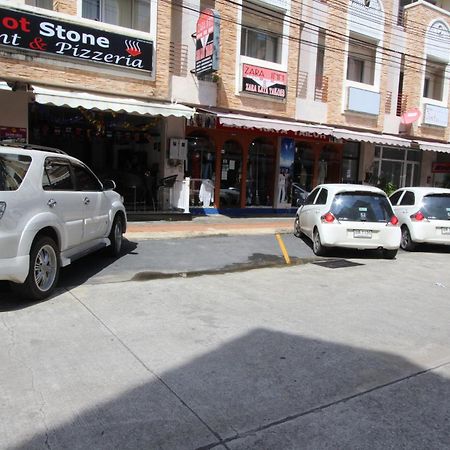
<point>13,169</point>
<point>437,206</point>
<point>361,207</point>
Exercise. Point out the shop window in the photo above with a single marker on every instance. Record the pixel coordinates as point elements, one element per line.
<point>433,86</point>
<point>304,166</point>
<point>260,173</point>
<point>230,177</point>
<point>350,162</point>
<point>262,32</point>
<point>134,14</point>
<point>361,61</point>
<point>329,165</point>
<point>44,4</point>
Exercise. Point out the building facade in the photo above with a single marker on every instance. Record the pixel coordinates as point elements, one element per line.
<point>239,105</point>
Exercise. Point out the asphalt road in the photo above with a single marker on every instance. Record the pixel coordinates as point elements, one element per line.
<point>349,352</point>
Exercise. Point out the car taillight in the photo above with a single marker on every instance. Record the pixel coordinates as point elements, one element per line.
<point>328,217</point>
<point>394,220</point>
<point>418,216</point>
<point>2,208</point>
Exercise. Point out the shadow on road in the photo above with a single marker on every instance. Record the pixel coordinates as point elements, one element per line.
<point>266,389</point>
<point>73,275</point>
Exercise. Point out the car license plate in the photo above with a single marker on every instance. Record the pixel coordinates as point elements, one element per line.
<point>366,234</point>
<point>445,230</point>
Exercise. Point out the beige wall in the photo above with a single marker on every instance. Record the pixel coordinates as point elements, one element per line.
<point>15,114</point>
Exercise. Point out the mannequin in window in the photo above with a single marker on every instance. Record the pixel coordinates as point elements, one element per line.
<point>303,176</point>
<point>206,193</point>
<point>323,169</point>
<point>282,186</point>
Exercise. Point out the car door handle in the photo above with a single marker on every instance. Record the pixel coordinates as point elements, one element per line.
<point>86,201</point>
<point>51,203</point>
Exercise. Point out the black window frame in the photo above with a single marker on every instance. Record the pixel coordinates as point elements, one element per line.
<point>311,197</point>
<point>319,199</point>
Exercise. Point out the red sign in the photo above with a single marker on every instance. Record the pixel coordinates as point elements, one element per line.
<point>440,167</point>
<point>207,41</point>
<point>410,116</point>
<point>13,134</point>
<point>259,80</point>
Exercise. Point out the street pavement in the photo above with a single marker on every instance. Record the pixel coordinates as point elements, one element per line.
<point>347,352</point>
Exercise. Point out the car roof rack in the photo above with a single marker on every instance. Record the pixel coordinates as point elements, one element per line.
<point>34,147</point>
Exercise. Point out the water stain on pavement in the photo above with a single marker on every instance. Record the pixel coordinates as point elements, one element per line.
<point>255,261</point>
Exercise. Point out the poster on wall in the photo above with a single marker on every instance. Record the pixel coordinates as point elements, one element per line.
<point>264,82</point>
<point>207,42</point>
<point>287,155</point>
<point>42,34</point>
<point>13,134</point>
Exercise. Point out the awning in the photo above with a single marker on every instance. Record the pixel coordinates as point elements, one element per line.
<point>244,121</point>
<point>75,99</point>
<point>360,136</point>
<point>434,146</point>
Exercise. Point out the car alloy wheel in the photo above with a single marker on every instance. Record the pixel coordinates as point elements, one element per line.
<point>318,248</point>
<point>45,268</point>
<point>406,242</point>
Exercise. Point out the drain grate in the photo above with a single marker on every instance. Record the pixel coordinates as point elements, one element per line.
<point>337,263</point>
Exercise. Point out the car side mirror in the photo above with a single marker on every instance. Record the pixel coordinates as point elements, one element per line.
<point>300,201</point>
<point>109,185</point>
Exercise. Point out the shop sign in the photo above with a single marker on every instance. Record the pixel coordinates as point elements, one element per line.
<point>41,34</point>
<point>435,115</point>
<point>440,167</point>
<point>262,81</point>
<point>207,42</point>
<point>13,134</point>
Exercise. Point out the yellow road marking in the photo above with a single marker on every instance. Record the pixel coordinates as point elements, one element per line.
<point>283,248</point>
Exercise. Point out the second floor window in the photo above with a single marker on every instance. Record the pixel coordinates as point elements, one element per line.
<point>46,4</point>
<point>262,31</point>
<point>134,14</point>
<point>361,61</point>
<point>433,86</point>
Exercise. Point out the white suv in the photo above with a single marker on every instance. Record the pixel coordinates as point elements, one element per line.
<point>53,210</point>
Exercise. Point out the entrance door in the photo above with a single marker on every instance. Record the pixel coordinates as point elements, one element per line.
<point>260,173</point>
<point>230,176</point>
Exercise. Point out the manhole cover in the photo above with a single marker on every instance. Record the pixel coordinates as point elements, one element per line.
<point>337,263</point>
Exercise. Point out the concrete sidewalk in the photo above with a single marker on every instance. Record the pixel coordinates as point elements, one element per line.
<point>209,226</point>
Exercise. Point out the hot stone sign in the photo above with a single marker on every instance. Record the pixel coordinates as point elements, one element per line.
<point>42,34</point>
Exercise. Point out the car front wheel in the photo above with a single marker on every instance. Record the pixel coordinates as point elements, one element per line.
<point>406,242</point>
<point>297,230</point>
<point>116,237</point>
<point>43,272</point>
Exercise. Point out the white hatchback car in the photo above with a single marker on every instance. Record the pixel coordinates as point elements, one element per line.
<point>423,214</point>
<point>53,210</point>
<point>351,216</point>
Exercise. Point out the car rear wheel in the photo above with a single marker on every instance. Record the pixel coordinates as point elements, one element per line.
<point>406,242</point>
<point>43,272</point>
<point>116,237</point>
<point>389,254</point>
<point>318,248</point>
<point>297,230</point>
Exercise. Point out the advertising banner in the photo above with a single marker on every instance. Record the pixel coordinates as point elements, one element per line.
<point>287,155</point>
<point>207,42</point>
<point>13,134</point>
<point>262,81</point>
<point>42,34</point>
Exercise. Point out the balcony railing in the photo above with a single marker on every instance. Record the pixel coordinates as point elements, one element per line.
<point>402,101</point>
<point>320,87</point>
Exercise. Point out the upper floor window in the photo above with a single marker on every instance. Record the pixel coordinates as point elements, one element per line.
<point>134,14</point>
<point>433,86</point>
<point>46,4</point>
<point>361,61</point>
<point>262,32</point>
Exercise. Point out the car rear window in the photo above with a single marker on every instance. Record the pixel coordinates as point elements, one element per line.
<point>361,207</point>
<point>437,206</point>
<point>13,169</point>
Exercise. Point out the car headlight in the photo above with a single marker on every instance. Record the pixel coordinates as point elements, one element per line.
<point>2,208</point>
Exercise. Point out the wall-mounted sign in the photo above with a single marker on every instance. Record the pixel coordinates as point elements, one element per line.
<point>207,42</point>
<point>259,80</point>
<point>13,134</point>
<point>440,167</point>
<point>435,115</point>
<point>410,116</point>
<point>363,101</point>
<point>42,34</point>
